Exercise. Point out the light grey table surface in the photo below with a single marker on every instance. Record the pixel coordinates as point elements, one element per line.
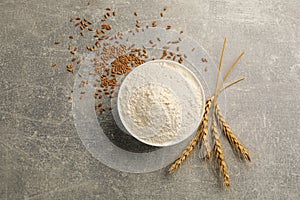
<point>42,157</point>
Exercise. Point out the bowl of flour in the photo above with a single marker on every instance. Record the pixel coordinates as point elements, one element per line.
<point>160,103</point>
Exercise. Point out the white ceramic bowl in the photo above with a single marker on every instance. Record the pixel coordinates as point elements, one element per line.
<point>189,95</point>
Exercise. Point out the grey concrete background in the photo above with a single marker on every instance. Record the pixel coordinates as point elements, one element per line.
<point>41,156</point>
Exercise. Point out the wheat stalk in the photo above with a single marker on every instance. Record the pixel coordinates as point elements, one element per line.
<point>231,84</point>
<point>232,138</point>
<point>232,67</point>
<point>220,66</point>
<point>226,76</point>
<point>219,155</point>
<point>199,136</point>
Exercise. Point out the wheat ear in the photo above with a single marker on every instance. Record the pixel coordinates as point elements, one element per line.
<point>232,138</point>
<point>219,155</point>
<point>186,152</point>
<point>204,134</point>
<point>195,140</point>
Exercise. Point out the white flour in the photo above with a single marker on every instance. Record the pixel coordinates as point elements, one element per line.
<point>160,103</point>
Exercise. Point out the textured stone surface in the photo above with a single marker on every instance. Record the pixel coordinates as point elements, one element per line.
<point>41,156</point>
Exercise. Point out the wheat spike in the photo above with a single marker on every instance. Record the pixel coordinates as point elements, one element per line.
<point>195,140</point>
<point>187,151</point>
<point>204,135</point>
<point>219,155</point>
<point>232,138</point>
